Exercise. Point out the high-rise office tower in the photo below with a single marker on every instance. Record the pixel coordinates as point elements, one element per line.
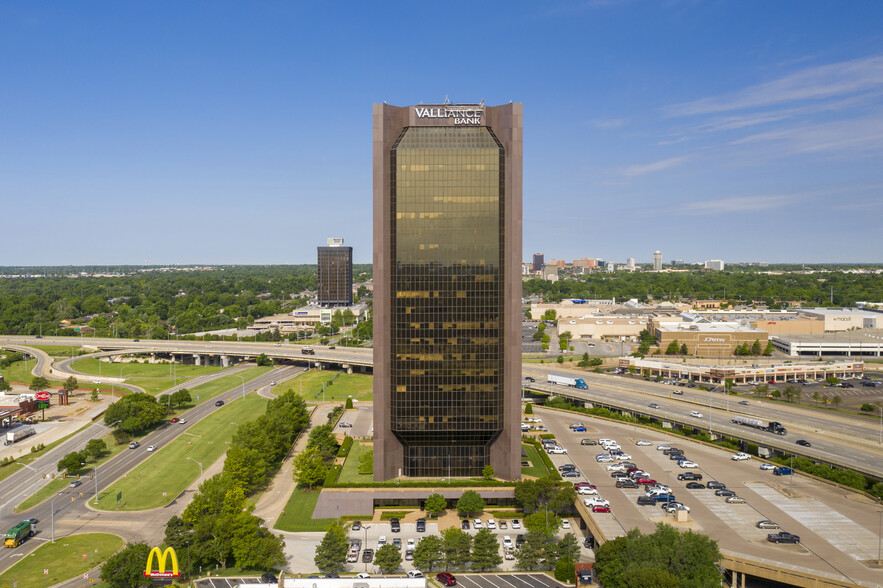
<point>335,274</point>
<point>538,262</point>
<point>657,261</point>
<point>447,290</point>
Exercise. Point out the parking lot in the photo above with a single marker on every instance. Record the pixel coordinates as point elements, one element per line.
<point>838,528</point>
<point>465,580</point>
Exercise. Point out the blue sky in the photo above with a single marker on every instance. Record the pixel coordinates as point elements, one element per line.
<point>240,132</point>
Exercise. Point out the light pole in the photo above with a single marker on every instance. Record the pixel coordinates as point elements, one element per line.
<point>95,473</point>
<point>243,385</point>
<point>52,507</point>
<point>200,467</point>
<point>36,475</point>
<point>366,527</point>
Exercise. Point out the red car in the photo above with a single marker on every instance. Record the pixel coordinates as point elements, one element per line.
<point>174,419</point>
<point>579,485</point>
<point>600,508</point>
<point>646,481</point>
<point>446,579</point>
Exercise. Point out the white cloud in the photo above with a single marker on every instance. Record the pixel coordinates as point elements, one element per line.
<point>641,170</point>
<point>607,123</point>
<point>739,204</point>
<point>856,135</point>
<point>836,79</point>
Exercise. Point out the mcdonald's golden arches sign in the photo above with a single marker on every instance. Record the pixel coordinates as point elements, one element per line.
<point>161,557</point>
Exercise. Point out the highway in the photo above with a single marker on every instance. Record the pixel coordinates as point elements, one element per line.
<point>133,526</point>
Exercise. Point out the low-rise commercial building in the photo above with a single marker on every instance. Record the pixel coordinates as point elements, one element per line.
<point>707,339</point>
<point>858,343</point>
<point>602,326</point>
<point>845,319</point>
<point>570,308</point>
<point>742,374</point>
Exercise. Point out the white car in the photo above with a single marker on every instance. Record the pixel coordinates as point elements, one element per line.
<point>491,524</point>
<point>767,466</point>
<point>686,463</point>
<point>604,458</point>
<point>658,489</point>
<point>595,501</point>
<point>382,541</point>
<point>642,443</point>
<point>662,447</point>
<point>740,456</point>
<point>151,448</point>
<point>557,450</point>
<point>415,574</point>
<point>363,575</point>
<point>516,524</point>
<point>587,490</point>
<point>622,456</point>
<point>696,414</point>
<point>565,524</point>
<point>507,542</point>
<point>616,467</point>
<point>477,523</point>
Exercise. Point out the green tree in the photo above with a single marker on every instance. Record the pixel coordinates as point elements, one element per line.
<point>470,503</point>
<point>323,440</point>
<point>836,400</point>
<point>94,396</point>
<point>4,386</point>
<point>565,571</point>
<point>435,504</point>
<point>309,467</point>
<point>690,557</point>
<point>72,462</point>
<point>768,350</point>
<point>135,412</point>
<point>125,569</point>
<point>38,384</point>
<point>388,558</point>
<point>568,547</point>
<point>832,381</point>
<point>94,448</point>
<point>673,348</point>
<point>755,348</point>
<point>544,525</point>
<point>457,547</point>
<point>486,550</point>
<point>488,472</point>
<point>245,467</point>
<point>528,408</point>
<point>529,555</point>
<point>264,361</point>
<point>70,385</point>
<point>181,397</point>
<point>349,404</point>
<point>684,350</point>
<point>429,553</point>
<point>331,551</point>
<point>762,389</point>
<point>865,407</point>
<point>254,546</point>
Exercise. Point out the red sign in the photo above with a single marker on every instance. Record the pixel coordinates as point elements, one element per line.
<point>43,395</point>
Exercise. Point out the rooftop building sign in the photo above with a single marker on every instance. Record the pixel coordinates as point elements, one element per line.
<point>470,114</point>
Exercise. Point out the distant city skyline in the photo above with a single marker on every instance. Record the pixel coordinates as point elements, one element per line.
<point>227,135</point>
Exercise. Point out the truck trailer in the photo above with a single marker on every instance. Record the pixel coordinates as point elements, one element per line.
<point>17,534</point>
<point>567,381</point>
<point>771,427</point>
<point>19,434</point>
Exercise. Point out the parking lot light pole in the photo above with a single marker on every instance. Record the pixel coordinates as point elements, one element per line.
<point>366,527</point>
<point>243,385</point>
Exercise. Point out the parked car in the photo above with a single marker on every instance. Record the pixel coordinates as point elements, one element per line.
<point>566,467</point>
<point>740,456</point>
<point>571,474</point>
<point>446,579</point>
<point>663,497</point>
<point>662,447</point>
<point>767,466</point>
<point>269,578</point>
<point>616,467</point>
<point>464,524</point>
<point>642,443</point>
<point>689,476</point>
<point>695,485</point>
<point>565,524</point>
<point>557,450</point>
<point>415,574</point>
<point>579,429</point>
<point>715,485</point>
<point>724,492</point>
<point>421,525</point>
<point>357,526</point>
<point>476,523</point>
<point>516,524</point>
<point>783,471</point>
<point>670,507</point>
<point>626,483</point>
<point>395,525</point>
<point>601,508</point>
<point>588,442</point>
<point>782,537</point>
<point>646,500</point>
<point>767,524</point>
<point>345,425</point>
<point>368,556</point>
<point>686,463</point>
<point>735,500</point>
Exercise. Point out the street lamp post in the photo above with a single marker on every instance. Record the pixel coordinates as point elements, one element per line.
<point>243,385</point>
<point>200,467</point>
<point>52,507</point>
<point>36,475</point>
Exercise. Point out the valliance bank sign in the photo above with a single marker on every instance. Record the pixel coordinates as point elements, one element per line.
<point>461,115</point>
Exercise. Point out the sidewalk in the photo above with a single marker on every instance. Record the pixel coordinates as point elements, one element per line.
<point>273,501</point>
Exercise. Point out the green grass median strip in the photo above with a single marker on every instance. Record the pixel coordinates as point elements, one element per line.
<point>163,476</point>
<point>309,386</point>
<point>350,472</point>
<point>298,512</point>
<point>538,468</point>
<point>63,559</point>
<point>135,369</point>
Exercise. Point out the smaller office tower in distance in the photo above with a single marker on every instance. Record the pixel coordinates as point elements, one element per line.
<point>335,274</point>
<point>657,261</point>
<point>714,264</point>
<point>630,263</point>
<point>538,262</point>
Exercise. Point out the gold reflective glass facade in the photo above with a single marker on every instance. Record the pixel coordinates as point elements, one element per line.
<point>446,306</point>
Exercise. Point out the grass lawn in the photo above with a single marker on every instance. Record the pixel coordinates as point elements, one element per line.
<point>350,472</point>
<point>18,373</point>
<point>133,369</point>
<point>538,469</point>
<point>309,385</point>
<point>158,385</point>
<point>64,560</point>
<point>299,510</point>
<point>86,489</point>
<point>162,477</point>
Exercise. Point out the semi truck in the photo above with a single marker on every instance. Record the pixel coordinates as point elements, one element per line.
<point>772,426</point>
<point>19,434</point>
<point>17,534</point>
<point>567,381</point>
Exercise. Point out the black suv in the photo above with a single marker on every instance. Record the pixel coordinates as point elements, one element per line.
<point>724,492</point>
<point>646,501</point>
<point>269,578</point>
<point>626,483</point>
<point>367,556</point>
<point>783,537</point>
<point>671,450</point>
<point>421,525</point>
<point>689,476</point>
<point>715,485</point>
<point>219,403</point>
<point>588,442</point>
<point>396,527</point>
